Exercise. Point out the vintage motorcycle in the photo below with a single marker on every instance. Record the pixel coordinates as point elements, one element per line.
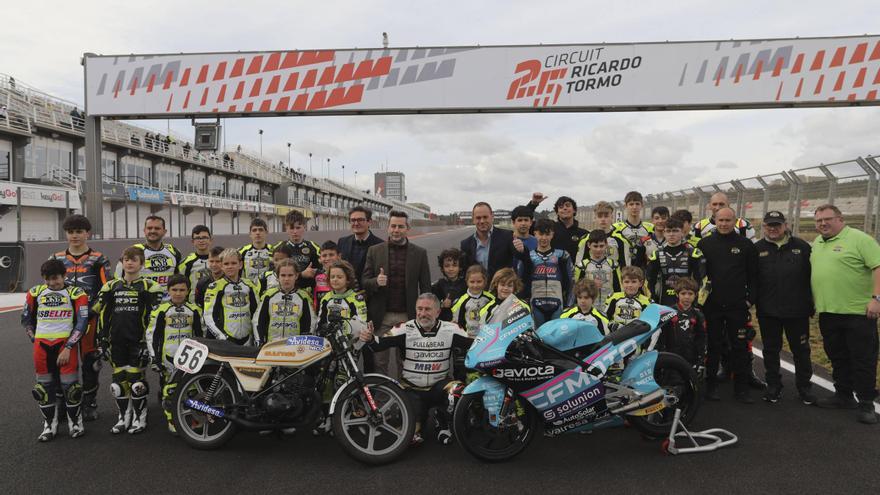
<point>567,377</point>
<point>222,386</point>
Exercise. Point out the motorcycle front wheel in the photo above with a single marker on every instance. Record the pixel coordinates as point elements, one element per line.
<point>374,438</point>
<point>678,381</point>
<point>494,443</point>
<point>200,429</point>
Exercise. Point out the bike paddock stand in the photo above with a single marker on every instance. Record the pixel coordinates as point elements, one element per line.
<point>699,441</point>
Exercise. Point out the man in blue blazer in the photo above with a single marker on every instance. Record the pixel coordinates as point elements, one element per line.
<point>353,248</point>
<point>489,246</point>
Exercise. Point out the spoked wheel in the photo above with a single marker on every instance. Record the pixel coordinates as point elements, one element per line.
<point>678,381</point>
<point>494,443</point>
<point>374,438</point>
<point>201,429</point>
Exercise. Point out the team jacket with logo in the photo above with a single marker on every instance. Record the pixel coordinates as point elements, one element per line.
<point>466,312</point>
<point>351,304</point>
<point>617,249</point>
<point>194,267</point>
<point>549,279</point>
<point>268,280</point>
<point>255,261</point>
<point>594,316</point>
<point>623,309</point>
<point>124,308</point>
<point>169,325</point>
<point>56,314</point>
<point>705,227</point>
<point>605,270</point>
<point>159,264</point>
<point>427,351</point>
<point>282,314</point>
<point>229,309</point>
<point>305,253</point>
<point>685,335</point>
<point>668,265</point>
<point>652,244</point>
<point>88,271</point>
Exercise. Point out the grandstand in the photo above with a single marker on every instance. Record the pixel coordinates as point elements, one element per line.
<point>144,172</point>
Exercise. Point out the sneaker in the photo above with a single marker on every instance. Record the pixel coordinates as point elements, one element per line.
<point>416,439</point>
<point>744,397</point>
<point>866,413</point>
<point>444,437</point>
<point>807,397</point>
<point>773,394</point>
<point>838,402</point>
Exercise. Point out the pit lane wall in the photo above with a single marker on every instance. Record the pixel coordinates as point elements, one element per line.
<point>758,73</point>
<point>35,252</point>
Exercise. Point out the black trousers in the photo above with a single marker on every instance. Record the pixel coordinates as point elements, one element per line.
<point>797,331</point>
<point>725,336</point>
<point>851,344</point>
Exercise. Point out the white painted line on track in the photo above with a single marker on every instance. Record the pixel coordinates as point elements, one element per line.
<point>818,380</point>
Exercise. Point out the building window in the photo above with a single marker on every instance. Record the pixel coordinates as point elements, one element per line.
<point>217,185</point>
<point>252,191</point>
<point>236,188</point>
<point>168,177</point>
<point>194,181</point>
<point>43,156</point>
<point>5,159</point>
<point>134,170</point>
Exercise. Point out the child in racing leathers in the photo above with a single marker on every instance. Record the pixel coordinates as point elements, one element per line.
<point>466,312</point>
<point>284,310</point>
<point>269,279</point>
<point>230,303</point>
<point>170,323</point>
<point>452,285</point>
<point>549,276</point>
<point>599,268</point>
<point>504,284</point>
<point>428,343</point>
<point>685,334</point>
<point>585,292</point>
<point>352,307</point>
<point>124,305</point>
<point>55,317</point>
<point>628,304</point>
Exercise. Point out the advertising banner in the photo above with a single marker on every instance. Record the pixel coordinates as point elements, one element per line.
<point>29,195</point>
<point>589,77</point>
<point>146,195</point>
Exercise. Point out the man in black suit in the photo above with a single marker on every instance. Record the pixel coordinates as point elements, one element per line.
<point>489,246</point>
<point>353,248</point>
<point>395,273</point>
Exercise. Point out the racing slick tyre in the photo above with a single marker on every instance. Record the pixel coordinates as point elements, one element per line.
<point>676,377</point>
<point>374,439</point>
<point>200,426</point>
<point>494,443</point>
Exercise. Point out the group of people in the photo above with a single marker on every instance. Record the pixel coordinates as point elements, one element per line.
<point>710,272</point>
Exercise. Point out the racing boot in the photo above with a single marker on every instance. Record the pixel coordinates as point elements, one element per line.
<point>50,423</point>
<point>866,413</point>
<point>89,407</point>
<point>124,419</point>
<point>139,415</point>
<point>75,422</point>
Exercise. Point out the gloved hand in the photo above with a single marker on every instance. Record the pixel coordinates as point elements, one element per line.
<point>144,356</point>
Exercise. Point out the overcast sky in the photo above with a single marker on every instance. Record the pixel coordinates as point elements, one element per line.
<point>451,161</point>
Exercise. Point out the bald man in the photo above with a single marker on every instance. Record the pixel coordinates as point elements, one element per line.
<point>706,226</point>
<point>732,269</point>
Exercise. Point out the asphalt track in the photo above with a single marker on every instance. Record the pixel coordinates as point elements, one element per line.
<point>783,448</point>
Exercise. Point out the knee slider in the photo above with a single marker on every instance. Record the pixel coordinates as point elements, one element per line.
<point>41,394</point>
<point>139,389</point>
<point>119,390</point>
<point>74,394</point>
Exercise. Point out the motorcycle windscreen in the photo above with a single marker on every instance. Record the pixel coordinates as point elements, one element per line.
<point>656,314</point>
<point>509,320</point>
<point>567,333</point>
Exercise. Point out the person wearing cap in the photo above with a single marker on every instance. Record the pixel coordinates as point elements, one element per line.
<point>784,304</point>
<point>846,290</point>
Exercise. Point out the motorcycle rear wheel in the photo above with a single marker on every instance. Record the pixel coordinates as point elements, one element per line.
<point>358,432</point>
<point>491,443</point>
<point>679,381</point>
<point>200,430</point>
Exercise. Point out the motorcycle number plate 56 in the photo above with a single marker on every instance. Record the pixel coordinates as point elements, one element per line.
<point>190,356</point>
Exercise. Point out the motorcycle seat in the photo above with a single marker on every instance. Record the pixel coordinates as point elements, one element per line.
<point>628,331</point>
<point>229,349</point>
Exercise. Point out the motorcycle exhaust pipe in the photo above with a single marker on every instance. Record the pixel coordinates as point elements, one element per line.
<point>648,400</point>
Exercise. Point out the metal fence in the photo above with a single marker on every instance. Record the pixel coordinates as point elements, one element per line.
<point>851,185</point>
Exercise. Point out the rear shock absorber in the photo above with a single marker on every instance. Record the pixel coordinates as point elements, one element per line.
<point>212,389</point>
